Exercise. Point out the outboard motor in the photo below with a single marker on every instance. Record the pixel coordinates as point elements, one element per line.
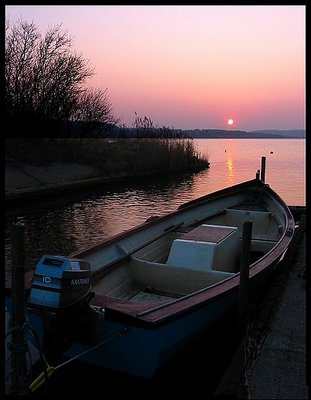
<point>60,292</point>
<point>59,283</point>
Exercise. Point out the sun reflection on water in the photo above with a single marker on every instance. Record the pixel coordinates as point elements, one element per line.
<point>229,164</point>
<point>229,153</point>
<point>86,218</point>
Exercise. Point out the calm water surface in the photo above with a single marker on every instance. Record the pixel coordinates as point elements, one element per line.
<point>82,220</point>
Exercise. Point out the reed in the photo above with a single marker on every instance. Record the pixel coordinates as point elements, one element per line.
<point>118,156</point>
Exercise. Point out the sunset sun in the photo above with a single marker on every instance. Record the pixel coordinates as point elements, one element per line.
<point>230,121</point>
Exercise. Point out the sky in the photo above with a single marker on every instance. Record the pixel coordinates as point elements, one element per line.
<point>190,67</point>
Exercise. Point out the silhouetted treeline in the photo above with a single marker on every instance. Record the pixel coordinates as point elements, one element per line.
<point>45,84</point>
<point>114,131</point>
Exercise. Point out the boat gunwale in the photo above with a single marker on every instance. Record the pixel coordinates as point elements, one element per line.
<point>160,312</point>
<point>255,183</point>
<point>164,311</point>
<point>167,311</point>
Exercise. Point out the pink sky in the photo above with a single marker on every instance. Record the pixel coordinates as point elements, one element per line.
<point>191,67</point>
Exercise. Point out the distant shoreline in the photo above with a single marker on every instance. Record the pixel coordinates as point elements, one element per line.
<point>208,133</point>
<point>247,137</point>
<point>238,134</point>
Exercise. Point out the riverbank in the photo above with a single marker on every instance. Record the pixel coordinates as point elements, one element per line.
<point>23,179</point>
<point>25,182</point>
<point>37,167</point>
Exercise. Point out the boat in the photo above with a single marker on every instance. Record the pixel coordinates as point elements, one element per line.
<point>134,301</point>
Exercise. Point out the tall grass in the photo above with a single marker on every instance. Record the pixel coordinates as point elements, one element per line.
<point>111,156</point>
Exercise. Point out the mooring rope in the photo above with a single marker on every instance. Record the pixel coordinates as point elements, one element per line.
<point>26,370</point>
<point>48,370</point>
<point>42,378</point>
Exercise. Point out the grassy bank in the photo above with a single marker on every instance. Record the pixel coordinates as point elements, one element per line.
<point>113,157</point>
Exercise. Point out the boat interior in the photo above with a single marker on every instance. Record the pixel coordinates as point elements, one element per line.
<point>192,257</point>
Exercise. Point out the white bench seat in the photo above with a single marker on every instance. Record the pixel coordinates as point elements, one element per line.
<point>170,279</point>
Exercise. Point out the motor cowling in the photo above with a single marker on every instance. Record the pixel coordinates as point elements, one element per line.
<point>59,282</point>
<point>59,294</point>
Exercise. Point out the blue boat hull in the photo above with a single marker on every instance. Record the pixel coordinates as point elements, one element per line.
<point>138,350</point>
<point>138,337</point>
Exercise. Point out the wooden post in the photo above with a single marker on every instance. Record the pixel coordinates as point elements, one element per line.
<point>263,168</point>
<point>19,345</point>
<point>244,276</point>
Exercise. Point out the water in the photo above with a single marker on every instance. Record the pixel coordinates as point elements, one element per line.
<point>236,160</point>
<point>81,220</point>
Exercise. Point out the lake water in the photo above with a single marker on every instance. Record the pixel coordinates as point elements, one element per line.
<point>236,160</point>
<point>81,220</point>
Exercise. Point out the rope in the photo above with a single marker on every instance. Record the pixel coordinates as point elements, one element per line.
<point>116,333</point>
<point>48,369</point>
<point>251,348</point>
<point>18,348</point>
<point>23,348</point>
<point>24,372</point>
<point>14,328</point>
<point>46,374</point>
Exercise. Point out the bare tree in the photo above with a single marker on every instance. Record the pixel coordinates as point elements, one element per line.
<point>94,111</point>
<point>44,80</point>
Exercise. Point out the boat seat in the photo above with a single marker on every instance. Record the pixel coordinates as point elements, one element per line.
<point>264,223</point>
<point>207,247</point>
<point>262,245</point>
<point>157,251</point>
<point>160,276</point>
